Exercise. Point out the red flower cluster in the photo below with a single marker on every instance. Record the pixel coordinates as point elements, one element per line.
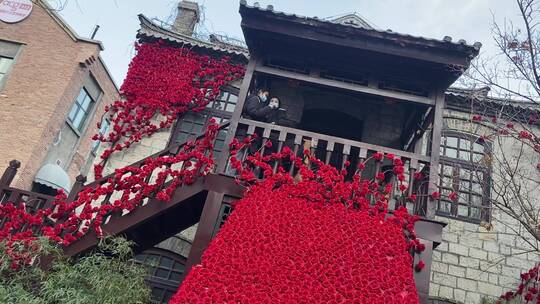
<point>528,291</point>
<point>317,239</point>
<point>73,219</point>
<point>163,80</point>
<point>280,246</point>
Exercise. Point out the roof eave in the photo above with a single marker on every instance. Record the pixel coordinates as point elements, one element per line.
<point>468,51</point>
<point>152,30</point>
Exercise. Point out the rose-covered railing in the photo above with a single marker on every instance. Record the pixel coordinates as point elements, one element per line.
<point>68,218</point>
<point>33,200</point>
<point>114,177</point>
<point>339,151</point>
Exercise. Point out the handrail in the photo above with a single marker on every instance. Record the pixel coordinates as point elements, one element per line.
<point>166,151</point>
<point>319,136</point>
<point>28,193</point>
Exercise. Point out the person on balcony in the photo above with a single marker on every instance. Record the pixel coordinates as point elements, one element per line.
<point>257,107</point>
<point>277,113</point>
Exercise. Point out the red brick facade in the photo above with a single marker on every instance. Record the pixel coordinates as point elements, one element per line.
<point>46,77</point>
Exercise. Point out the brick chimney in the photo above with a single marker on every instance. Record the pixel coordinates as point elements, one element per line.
<point>187,17</point>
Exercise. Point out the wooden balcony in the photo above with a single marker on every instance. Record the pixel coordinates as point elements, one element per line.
<point>336,151</point>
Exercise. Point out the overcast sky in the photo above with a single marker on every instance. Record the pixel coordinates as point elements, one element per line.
<point>461,19</point>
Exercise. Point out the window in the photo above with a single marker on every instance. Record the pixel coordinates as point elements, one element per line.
<point>8,55</point>
<point>5,64</point>
<point>226,101</point>
<point>102,131</point>
<point>464,169</point>
<point>80,110</point>
<point>192,125</point>
<point>165,272</point>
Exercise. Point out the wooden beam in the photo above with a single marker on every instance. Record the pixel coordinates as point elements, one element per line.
<point>435,151</point>
<point>205,229</point>
<point>344,85</point>
<point>394,47</point>
<point>9,173</point>
<point>242,95</point>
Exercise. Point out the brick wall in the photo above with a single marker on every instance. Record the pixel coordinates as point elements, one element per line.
<point>40,90</point>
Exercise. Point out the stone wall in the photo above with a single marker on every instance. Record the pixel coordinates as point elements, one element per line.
<point>477,261</point>
<point>146,147</point>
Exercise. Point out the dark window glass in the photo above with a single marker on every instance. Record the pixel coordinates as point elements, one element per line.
<point>80,110</point>
<point>165,272</point>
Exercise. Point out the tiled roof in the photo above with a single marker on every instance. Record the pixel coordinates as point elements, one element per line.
<point>446,42</point>
<point>150,29</point>
<point>480,95</point>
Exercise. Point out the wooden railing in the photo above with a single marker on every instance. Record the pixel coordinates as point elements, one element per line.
<point>34,200</point>
<point>336,151</point>
<point>107,199</point>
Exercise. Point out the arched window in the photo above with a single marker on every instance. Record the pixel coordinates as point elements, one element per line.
<point>464,168</point>
<point>165,272</point>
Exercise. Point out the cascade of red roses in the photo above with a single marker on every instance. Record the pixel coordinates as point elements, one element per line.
<point>314,238</point>
<point>162,81</point>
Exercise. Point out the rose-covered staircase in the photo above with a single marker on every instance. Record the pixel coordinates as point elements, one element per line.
<point>198,202</point>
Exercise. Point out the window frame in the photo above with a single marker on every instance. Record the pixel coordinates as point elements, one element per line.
<point>458,163</point>
<point>210,112</point>
<point>96,144</point>
<point>5,74</point>
<point>159,282</point>
<point>11,50</point>
<point>87,113</point>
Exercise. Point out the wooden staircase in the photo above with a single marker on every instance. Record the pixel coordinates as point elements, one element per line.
<point>200,202</point>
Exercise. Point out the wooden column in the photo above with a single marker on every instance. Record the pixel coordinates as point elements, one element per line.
<point>205,229</point>
<point>422,278</point>
<point>242,95</point>
<point>435,151</point>
<point>9,173</point>
<point>76,188</point>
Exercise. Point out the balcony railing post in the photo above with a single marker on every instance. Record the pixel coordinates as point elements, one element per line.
<point>242,96</point>
<point>77,187</point>
<point>205,228</point>
<point>435,147</point>
<point>9,173</point>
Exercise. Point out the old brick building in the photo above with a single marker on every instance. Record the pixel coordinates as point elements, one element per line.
<point>52,83</point>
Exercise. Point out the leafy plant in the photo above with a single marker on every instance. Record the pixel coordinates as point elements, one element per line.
<point>104,276</point>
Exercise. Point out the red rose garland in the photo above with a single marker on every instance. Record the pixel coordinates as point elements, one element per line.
<point>164,80</point>
<point>318,240</point>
